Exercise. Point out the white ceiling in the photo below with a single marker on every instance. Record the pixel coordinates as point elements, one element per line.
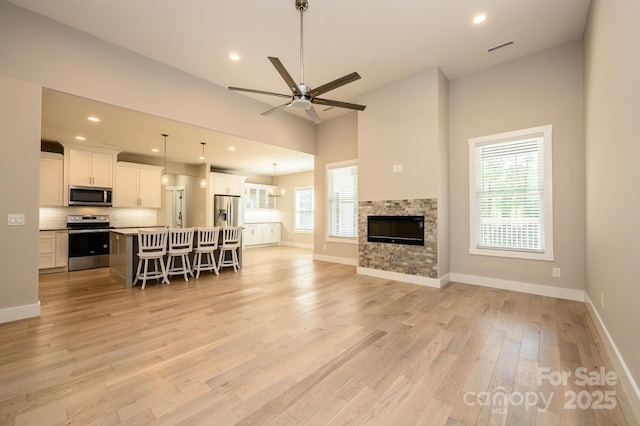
<point>382,40</point>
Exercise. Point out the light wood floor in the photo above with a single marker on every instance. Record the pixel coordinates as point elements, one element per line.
<point>291,341</point>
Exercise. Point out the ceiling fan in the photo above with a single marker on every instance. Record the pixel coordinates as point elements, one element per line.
<point>302,96</point>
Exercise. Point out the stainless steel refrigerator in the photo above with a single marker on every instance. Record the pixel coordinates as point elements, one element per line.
<point>227,210</point>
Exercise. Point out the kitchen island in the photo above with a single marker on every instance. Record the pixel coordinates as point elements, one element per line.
<point>123,257</point>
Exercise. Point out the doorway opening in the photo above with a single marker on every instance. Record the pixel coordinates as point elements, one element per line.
<point>176,206</point>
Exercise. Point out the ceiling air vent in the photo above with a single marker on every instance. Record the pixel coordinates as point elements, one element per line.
<point>500,46</point>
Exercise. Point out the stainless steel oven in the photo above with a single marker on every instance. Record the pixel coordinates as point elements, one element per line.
<point>88,241</point>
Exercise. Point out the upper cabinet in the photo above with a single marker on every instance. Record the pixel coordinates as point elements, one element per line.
<point>223,184</point>
<point>256,197</point>
<point>51,179</point>
<point>138,185</point>
<point>88,168</point>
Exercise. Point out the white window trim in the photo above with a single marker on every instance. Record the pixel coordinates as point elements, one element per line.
<point>327,238</point>
<point>546,132</point>
<point>296,230</point>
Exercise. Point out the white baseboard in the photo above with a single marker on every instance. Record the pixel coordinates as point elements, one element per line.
<point>629,385</point>
<point>397,276</point>
<point>297,245</point>
<point>445,280</point>
<point>523,287</point>
<point>335,259</point>
<point>16,313</point>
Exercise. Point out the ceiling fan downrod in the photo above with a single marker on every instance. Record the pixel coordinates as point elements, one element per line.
<point>303,97</point>
<point>302,6</point>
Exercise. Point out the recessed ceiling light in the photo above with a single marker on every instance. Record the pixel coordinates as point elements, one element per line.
<point>155,150</point>
<point>232,148</point>
<point>479,19</point>
<point>94,119</point>
<point>234,57</point>
<point>81,138</point>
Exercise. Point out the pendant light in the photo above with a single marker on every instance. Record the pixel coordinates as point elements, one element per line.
<point>275,191</point>
<point>165,177</point>
<point>203,181</point>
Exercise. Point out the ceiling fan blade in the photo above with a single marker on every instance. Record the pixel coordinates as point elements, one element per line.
<point>338,104</point>
<point>260,92</point>
<point>314,115</point>
<point>272,110</point>
<point>334,84</point>
<point>285,75</point>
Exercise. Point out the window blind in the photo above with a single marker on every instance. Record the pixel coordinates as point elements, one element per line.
<point>510,195</point>
<point>304,209</point>
<point>342,197</point>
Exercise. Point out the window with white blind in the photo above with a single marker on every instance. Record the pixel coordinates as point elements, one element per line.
<point>303,209</point>
<point>342,201</point>
<point>511,200</point>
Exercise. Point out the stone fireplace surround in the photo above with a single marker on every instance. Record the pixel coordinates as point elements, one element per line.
<point>414,264</point>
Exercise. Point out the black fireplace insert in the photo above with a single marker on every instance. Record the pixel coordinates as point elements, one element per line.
<point>396,229</point>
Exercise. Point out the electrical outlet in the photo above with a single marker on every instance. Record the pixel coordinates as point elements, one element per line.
<point>556,272</point>
<point>602,301</point>
<point>324,247</point>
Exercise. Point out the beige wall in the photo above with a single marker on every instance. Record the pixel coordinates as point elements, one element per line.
<point>400,127</point>
<point>286,209</point>
<point>55,56</point>
<point>20,105</point>
<point>337,141</point>
<point>444,263</point>
<point>543,88</point>
<point>612,106</point>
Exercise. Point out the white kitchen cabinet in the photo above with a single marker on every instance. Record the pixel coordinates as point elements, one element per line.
<point>271,233</point>
<point>257,197</point>
<point>87,168</point>
<point>261,233</point>
<point>47,249</point>
<point>51,179</point>
<point>252,234</point>
<point>223,184</point>
<point>138,185</point>
<point>53,249</point>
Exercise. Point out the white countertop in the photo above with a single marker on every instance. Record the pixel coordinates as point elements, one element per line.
<point>134,231</point>
<point>261,222</point>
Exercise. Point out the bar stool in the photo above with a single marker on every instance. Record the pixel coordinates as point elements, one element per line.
<point>230,243</point>
<point>152,245</point>
<point>207,243</point>
<point>180,246</point>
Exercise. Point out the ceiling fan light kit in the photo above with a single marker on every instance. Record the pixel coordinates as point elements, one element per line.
<point>302,97</point>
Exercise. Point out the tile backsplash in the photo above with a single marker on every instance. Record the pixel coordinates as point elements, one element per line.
<point>257,216</point>
<point>56,217</point>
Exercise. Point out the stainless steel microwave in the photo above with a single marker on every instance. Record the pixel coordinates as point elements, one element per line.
<point>89,196</point>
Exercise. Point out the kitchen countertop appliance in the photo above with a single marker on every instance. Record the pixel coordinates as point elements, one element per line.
<point>88,241</point>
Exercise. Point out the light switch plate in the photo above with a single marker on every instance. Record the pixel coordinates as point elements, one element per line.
<point>15,219</point>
